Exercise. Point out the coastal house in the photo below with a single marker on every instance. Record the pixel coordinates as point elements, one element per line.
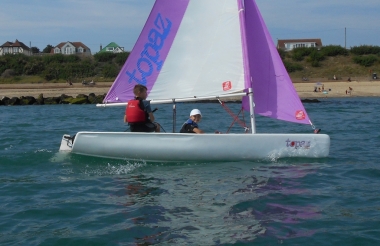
<point>289,44</point>
<point>14,48</point>
<point>112,47</point>
<point>71,48</point>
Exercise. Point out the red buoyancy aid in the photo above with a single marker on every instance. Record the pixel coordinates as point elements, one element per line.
<point>134,113</point>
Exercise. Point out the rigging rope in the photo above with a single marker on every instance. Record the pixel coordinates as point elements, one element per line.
<point>235,117</point>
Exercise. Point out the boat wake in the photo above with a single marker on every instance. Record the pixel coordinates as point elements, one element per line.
<point>113,169</point>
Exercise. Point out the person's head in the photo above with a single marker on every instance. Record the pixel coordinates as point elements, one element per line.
<point>195,115</point>
<point>140,91</point>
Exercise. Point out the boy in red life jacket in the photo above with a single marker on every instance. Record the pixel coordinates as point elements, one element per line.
<point>138,112</point>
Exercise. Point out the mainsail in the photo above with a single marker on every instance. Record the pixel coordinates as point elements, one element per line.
<point>199,48</point>
<point>188,48</point>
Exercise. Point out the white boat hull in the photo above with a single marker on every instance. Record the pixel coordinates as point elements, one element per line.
<point>197,147</point>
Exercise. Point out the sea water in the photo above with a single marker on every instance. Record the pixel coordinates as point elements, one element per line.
<point>50,198</point>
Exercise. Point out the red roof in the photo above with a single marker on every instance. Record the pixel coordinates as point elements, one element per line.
<point>15,44</point>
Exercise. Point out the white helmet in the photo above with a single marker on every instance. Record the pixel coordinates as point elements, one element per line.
<point>195,112</point>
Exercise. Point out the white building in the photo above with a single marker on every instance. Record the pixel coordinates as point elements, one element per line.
<point>289,44</point>
<point>71,48</point>
<point>14,48</point>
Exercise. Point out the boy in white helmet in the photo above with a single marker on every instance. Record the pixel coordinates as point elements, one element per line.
<point>191,125</point>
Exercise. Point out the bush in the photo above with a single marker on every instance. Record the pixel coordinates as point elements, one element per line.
<point>3,64</point>
<point>365,61</point>
<point>110,71</point>
<point>292,67</point>
<point>297,57</point>
<point>316,56</point>
<point>300,53</point>
<point>56,58</point>
<point>34,66</point>
<point>334,50</point>
<point>17,63</point>
<point>121,58</point>
<point>52,71</point>
<point>365,50</point>
<point>104,57</point>
<point>72,58</point>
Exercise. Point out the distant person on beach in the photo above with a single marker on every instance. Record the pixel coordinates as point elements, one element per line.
<point>334,77</point>
<point>191,125</point>
<point>138,112</point>
<point>323,87</point>
<point>349,79</point>
<point>349,91</point>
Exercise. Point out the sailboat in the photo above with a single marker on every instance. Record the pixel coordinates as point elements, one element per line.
<point>192,50</point>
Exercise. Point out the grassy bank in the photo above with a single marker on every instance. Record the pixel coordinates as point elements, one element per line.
<point>340,66</point>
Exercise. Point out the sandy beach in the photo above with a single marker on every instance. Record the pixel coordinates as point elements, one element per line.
<point>52,89</point>
<point>304,89</point>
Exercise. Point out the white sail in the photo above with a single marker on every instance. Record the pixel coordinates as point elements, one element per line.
<point>206,53</point>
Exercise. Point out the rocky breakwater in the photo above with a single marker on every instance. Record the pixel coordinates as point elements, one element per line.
<point>63,99</point>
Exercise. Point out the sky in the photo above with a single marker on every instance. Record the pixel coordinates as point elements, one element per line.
<point>38,23</point>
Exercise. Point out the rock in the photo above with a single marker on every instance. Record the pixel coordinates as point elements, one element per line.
<point>100,98</point>
<point>82,96</point>
<point>51,100</point>
<point>67,100</point>
<point>64,99</point>
<point>40,99</point>
<point>5,101</point>
<point>8,73</point>
<point>93,99</point>
<point>310,101</point>
<point>14,101</point>
<point>80,100</point>
<point>28,100</point>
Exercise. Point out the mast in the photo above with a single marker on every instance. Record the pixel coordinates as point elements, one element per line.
<point>247,74</point>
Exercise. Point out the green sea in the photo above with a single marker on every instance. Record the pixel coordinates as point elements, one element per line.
<point>51,198</point>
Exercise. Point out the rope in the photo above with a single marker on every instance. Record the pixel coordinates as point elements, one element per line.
<point>235,117</point>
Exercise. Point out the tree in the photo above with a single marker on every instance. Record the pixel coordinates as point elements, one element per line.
<point>35,50</point>
<point>47,48</point>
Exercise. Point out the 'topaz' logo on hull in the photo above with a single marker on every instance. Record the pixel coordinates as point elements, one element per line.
<point>298,144</point>
<point>150,56</point>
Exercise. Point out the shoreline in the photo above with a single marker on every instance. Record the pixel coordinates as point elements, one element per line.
<point>305,90</point>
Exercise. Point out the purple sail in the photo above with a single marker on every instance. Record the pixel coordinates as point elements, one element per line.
<point>150,51</point>
<point>274,93</point>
